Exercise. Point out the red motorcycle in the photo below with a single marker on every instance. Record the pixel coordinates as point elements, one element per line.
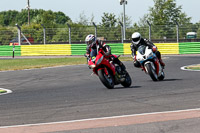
<point>108,72</point>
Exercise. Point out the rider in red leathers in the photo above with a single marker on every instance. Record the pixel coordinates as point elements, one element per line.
<point>91,50</point>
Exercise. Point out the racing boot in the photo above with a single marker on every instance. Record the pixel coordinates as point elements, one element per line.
<point>162,63</point>
<point>160,60</point>
<point>123,69</point>
<point>123,72</point>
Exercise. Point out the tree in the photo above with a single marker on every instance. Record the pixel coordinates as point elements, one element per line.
<point>37,16</point>
<point>22,17</point>
<point>163,14</point>
<point>61,35</point>
<point>33,30</point>
<point>108,20</point>
<point>8,17</point>
<point>92,19</point>
<point>48,19</point>
<point>109,28</point>
<point>6,35</point>
<point>166,12</point>
<point>61,18</point>
<point>83,20</point>
<point>198,33</point>
<point>128,20</point>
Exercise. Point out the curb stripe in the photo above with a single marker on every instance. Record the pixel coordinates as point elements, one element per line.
<point>184,68</point>
<point>7,91</point>
<point>105,121</point>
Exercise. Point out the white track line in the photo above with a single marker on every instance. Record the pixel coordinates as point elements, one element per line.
<point>102,118</point>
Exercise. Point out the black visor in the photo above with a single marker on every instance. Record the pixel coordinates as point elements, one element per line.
<point>91,41</point>
<point>136,39</point>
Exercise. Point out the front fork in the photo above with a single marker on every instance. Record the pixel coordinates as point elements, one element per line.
<point>144,69</point>
<point>152,64</point>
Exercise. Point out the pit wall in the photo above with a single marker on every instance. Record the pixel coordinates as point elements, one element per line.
<point>80,49</point>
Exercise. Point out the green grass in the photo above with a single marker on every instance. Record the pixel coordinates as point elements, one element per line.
<point>129,58</point>
<point>195,67</point>
<point>20,64</point>
<point>3,91</point>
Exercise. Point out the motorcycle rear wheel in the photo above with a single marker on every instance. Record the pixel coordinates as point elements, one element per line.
<point>128,81</point>
<point>107,80</point>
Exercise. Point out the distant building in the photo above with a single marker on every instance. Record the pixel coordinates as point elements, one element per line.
<point>191,35</point>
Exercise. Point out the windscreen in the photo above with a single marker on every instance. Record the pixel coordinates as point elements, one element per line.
<point>142,49</point>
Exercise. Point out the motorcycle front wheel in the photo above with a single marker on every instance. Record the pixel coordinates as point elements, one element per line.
<point>106,78</point>
<point>151,71</point>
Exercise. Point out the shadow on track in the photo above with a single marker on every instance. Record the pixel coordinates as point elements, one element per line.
<point>117,88</point>
<point>172,79</point>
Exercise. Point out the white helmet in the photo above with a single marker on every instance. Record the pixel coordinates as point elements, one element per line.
<point>90,39</point>
<point>136,37</point>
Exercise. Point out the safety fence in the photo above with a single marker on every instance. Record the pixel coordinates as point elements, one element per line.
<point>76,33</point>
<point>80,49</point>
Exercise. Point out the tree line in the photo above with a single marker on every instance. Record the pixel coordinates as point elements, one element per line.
<point>38,16</point>
<point>163,17</point>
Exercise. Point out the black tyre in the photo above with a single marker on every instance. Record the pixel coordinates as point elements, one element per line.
<point>128,81</point>
<point>152,72</point>
<point>162,76</point>
<point>107,80</point>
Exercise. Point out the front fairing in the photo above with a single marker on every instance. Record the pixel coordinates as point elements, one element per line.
<point>101,62</point>
<point>91,64</point>
<point>145,54</point>
<point>106,62</point>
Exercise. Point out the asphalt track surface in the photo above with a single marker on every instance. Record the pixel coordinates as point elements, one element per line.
<point>71,93</point>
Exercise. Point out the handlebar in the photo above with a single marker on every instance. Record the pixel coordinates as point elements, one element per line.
<point>86,56</point>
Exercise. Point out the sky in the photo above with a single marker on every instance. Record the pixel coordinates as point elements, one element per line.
<point>73,8</point>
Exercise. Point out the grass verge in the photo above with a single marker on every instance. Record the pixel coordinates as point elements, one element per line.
<point>3,91</point>
<point>20,64</point>
<point>195,67</point>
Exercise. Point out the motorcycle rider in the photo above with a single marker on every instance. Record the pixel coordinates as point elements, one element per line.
<point>91,50</point>
<point>137,41</point>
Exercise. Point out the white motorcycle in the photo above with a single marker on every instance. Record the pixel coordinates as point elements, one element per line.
<point>150,63</point>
